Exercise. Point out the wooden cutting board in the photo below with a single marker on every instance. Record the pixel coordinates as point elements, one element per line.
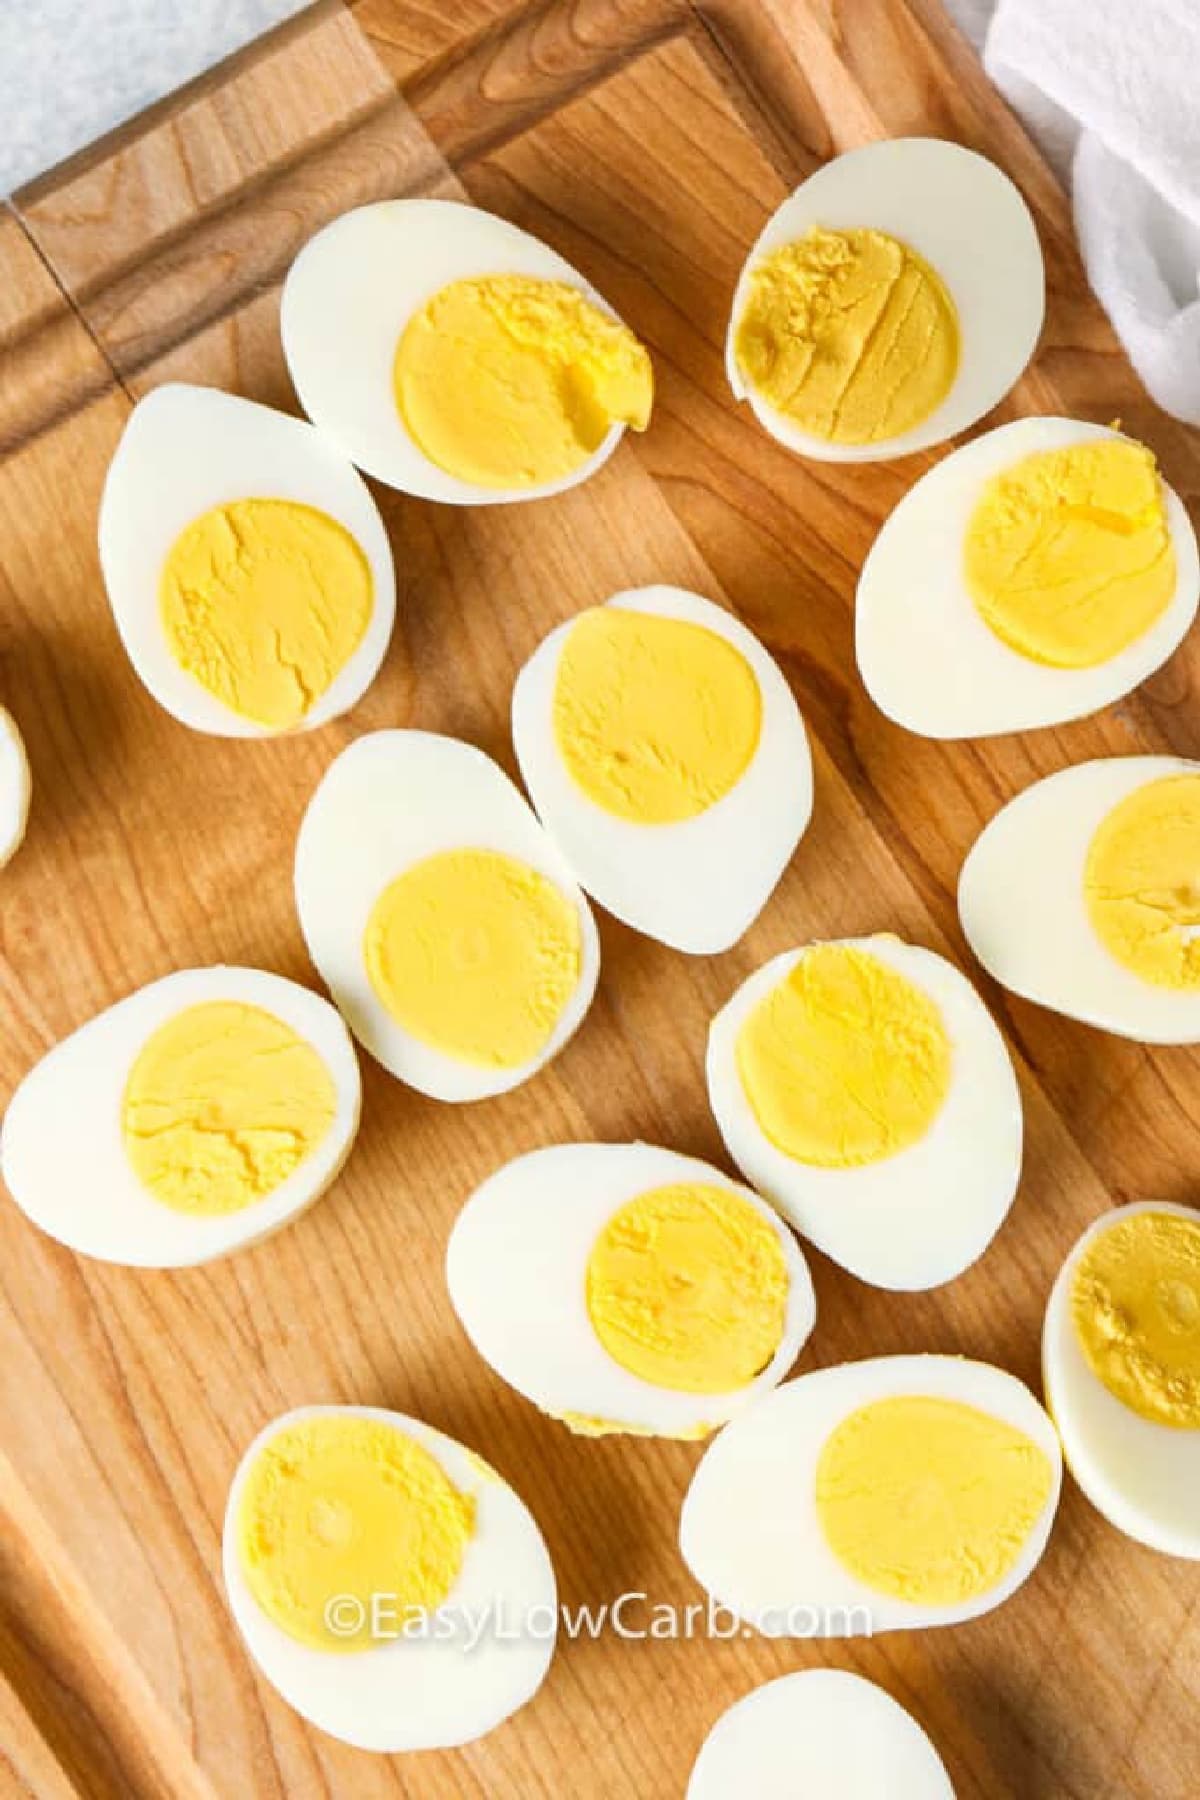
<point>647,140</point>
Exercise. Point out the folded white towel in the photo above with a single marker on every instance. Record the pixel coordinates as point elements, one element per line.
<point>1108,87</point>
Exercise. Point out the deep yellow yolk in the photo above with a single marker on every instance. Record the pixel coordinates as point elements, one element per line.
<point>656,719</point>
<point>1135,1305</point>
<point>1068,556</point>
<point>687,1288</point>
<point>476,954</point>
<point>223,1103</point>
<point>849,334</point>
<point>1142,882</point>
<point>929,1500</point>
<point>845,1061</point>
<point>264,602</point>
<point>511,382</point>
<point>337,1507</point>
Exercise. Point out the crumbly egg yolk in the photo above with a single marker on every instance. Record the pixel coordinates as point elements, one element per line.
<point>845,1061</point>
<point>264,602</point>
<point>223,1103</point>
<point>929,1500</point>
<point>687,1288</point>
<point>512,382</point>
<point>1141,882</point>
<point>656,719</point>
<point>1068,554</point>
<point>346,1506</point>
<point>1135,1307</point>
<point>476,954</point>
<point>849,334</point>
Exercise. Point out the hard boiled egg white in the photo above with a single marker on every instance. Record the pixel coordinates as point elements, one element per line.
<point>186,451</point>
<point>15,787</point>
<point>824,1733</point>
<point>875,1496</point>
<point>1132,1442</point>
<point>1022,899</point>
<point>614,1326</point>
<point>385,809</point>
<point>695,881</point>
<point>928,659</point>
<point>969,224</point>
<point>347,300</point>
<point>900,1204</point>
<point>430,1685</point>
<point>206,1105</point>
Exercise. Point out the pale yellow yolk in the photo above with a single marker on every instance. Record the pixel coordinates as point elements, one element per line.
<point>264,602</point>
<point>349,1510</point>
<point>846,1061</point>
<point>476,954</point>
<point>512,382</point>
<point>656,719</point>
<point>1068,555</point>
<point>223,1103</point>
<point>687,1288</point>
<point>929,1500</point>
<point>1142,882</point>
<point>1135,1305</point>
<point>849,334</point>
<point>590,1425</point>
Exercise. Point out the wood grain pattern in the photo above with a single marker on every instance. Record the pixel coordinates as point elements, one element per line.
<point>648,140</point>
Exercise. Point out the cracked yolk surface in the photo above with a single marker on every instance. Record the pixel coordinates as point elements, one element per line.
<point>849,334</point>
<point>845,1061</point>
<point>929,1500</point>
<point>507,381</point>
<point>1068,555</point>
<point>223,1103</point>
<point>349,1510</point>
<point>1135,1306</point>
<point>1142,882</point>
<point>264,602</point>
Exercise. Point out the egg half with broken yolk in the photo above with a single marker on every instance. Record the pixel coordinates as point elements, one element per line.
<point>192,1118</point>
<point>248,569</point>
<point>467,363</point>
<point>624,1288</point>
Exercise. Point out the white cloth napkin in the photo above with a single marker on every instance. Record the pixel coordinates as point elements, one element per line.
<point>1109,88</point>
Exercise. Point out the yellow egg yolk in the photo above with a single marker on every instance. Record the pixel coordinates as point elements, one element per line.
<point>591,1425</point>
<point>222,1104</point>
<point>929,1500</point>
<point>512,382</point>
<point>1135,1306</point>
<point>849,334</point>
<point>1142,882</point>
<point>264,602</point>
<point>687,1288</point>
<point>656,719</point>
<point>846,1061</point>
<point>344,1519</point>
<point>476,954</point>
<point>1068,556</point>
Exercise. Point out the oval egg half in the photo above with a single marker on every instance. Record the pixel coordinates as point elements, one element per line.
<point>15,787</point>
<point>195,1117</point>
<point>883,1495</point>
<point>624,1288</point>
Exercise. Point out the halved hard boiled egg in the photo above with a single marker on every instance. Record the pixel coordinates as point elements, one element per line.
<point>196,1116</point>
<point>888,303</point>
<point>666,756</point>
<point>1035,575</point>
<point>443,920</point>
<point>15,787</point>
<point>875,1496</point>
<point>624,1288</point>
<point>1121,1364</point>
<point>388,1583</point>
<point>249,572</point>
<point>823,1733</point>
<point>456,357</point>
<point>862,1086</point>
<point>1083,895</point>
